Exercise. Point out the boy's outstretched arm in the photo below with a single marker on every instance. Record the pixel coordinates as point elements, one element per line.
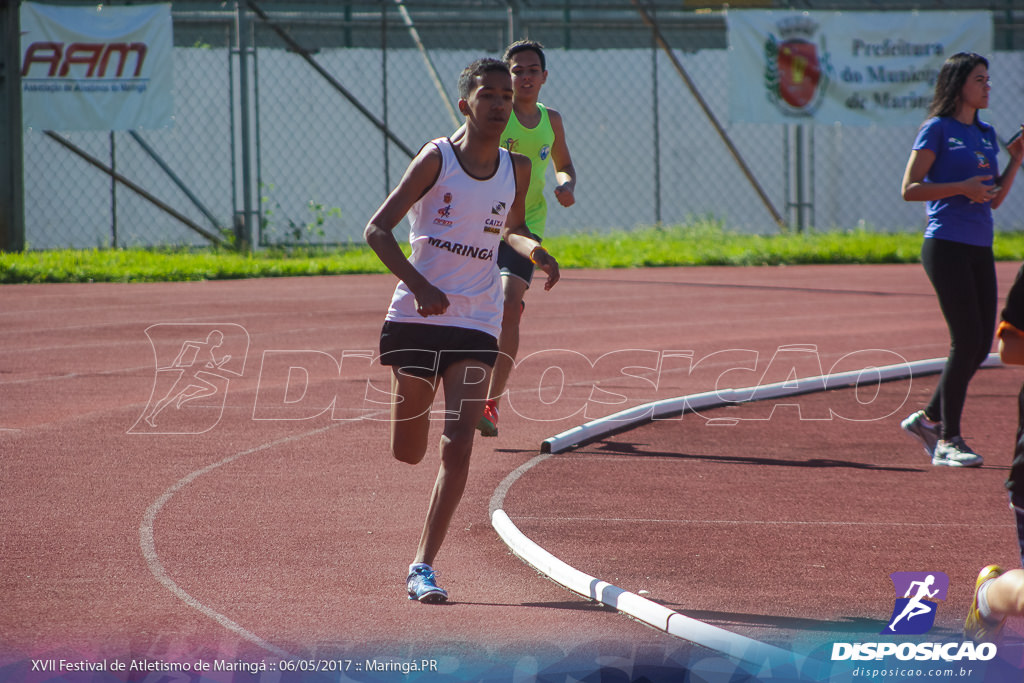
<point>517,236</point>
<point>379,233</point>
<point>565,172</point>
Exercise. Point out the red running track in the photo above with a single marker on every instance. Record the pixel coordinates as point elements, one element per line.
<point>262,524</point>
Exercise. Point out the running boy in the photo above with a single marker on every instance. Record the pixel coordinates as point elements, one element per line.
<point>537,132</point>
<point>462,198</point>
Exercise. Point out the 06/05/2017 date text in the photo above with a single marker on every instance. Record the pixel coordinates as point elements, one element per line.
<point>359,665</point>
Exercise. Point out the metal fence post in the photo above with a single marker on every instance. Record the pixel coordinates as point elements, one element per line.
<point>657,134</point>
<point>384,96</point>
<point>514,21</point>
<point>803,178</point>
<point>245,226</point>
<point>799,178</point>
<point>113,190</point>
<point>12,188</point>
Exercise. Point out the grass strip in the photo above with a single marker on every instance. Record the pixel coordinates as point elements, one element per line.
<point>694,245</point>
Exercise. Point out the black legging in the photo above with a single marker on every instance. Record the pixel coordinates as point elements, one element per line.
<point>964,278</point>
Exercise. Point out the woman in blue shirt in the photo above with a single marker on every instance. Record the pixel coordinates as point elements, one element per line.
<point>953,168</point>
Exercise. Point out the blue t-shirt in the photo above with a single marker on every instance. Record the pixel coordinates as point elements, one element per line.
<point>961,152</point>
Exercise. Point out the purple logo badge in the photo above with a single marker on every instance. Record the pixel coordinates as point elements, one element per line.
<point>916,596</point>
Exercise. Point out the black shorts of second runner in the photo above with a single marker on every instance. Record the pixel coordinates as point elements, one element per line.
<point>429,350</point>
<point>511,262</point>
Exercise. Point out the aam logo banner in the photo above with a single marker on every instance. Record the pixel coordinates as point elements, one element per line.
<point>917,594</point>
<point>195,364</point>
<point>97,68</point>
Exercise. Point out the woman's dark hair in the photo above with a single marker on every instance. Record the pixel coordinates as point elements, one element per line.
<point>952,76</point>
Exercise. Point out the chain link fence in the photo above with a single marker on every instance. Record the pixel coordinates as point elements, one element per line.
<point>333,100</point>
<point>189,168</point>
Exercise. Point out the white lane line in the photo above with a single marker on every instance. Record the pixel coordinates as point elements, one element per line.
<point>147,542</point>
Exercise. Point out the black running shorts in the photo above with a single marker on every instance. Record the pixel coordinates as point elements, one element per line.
<point>511,262</point>
<point>429,350</point>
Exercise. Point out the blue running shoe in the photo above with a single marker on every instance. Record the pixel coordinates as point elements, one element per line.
<point>421,586</point>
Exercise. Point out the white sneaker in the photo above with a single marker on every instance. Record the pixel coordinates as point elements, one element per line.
<point>955,453</point>
<point>924,430</point>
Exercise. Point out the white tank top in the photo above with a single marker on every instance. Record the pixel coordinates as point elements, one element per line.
<point>456,227</point>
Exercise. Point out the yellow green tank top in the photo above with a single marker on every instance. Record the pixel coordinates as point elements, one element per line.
<point>535,144</point>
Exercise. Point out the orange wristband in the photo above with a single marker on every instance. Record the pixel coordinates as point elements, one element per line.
<point>1006,329</point>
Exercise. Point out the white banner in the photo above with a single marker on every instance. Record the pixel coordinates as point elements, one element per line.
<point>854,68</point>
<point>96,68</point>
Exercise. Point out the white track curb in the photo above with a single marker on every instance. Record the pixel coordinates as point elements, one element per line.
<point>744,649</point>
<point>766,657</point>
<point>631,417</point>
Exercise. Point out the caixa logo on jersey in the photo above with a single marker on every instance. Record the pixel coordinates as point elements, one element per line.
<point>195,364</point>
<point>91,60</point>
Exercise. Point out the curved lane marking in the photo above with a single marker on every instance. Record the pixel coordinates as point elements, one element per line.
<point>147,542</point>
<point>731,644</point>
